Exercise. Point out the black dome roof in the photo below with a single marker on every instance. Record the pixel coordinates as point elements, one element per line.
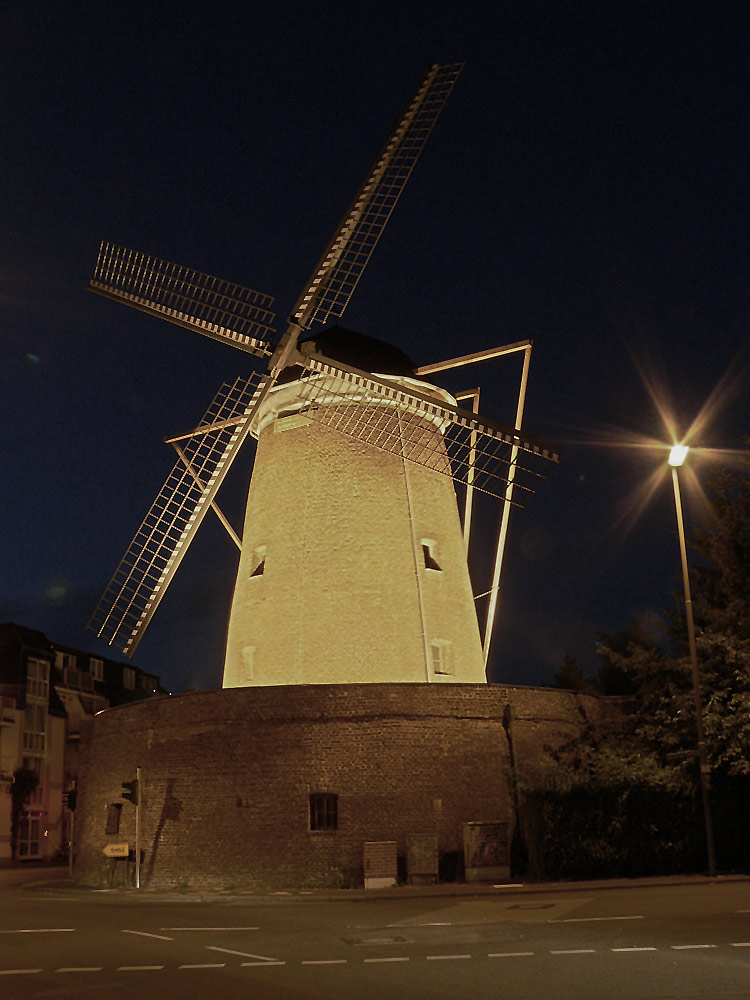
<point>358,351</point>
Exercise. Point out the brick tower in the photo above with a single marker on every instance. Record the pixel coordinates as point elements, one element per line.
<point>353,566</point>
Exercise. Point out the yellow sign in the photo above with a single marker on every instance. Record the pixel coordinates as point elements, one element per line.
<point>116,850</point>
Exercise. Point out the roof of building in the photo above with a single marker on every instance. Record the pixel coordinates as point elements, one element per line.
<point>354,349</point>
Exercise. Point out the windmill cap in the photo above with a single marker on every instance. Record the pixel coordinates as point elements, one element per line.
<point>356,350</point>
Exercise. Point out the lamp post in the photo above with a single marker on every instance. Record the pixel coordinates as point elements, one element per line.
<point>676,457</point>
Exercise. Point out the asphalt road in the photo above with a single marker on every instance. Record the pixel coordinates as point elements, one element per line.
<point>652,941</point>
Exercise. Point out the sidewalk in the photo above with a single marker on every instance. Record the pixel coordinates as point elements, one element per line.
<point>46,878</point>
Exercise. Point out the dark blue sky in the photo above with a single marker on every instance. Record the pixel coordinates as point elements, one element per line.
<point>585,187</point>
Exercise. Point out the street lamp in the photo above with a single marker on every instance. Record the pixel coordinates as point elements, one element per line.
<point>676,457</point>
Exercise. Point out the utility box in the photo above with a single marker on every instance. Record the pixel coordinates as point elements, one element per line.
<point>486,851</point>
<point>381,864</point>
<point>422,859</point>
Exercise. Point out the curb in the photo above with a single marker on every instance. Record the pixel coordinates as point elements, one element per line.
<point>302,896</point>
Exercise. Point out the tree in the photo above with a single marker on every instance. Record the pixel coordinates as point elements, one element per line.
<point>24,785</point>
<point>622,797</point>
<point>570,677</point>
<point>721,607</point>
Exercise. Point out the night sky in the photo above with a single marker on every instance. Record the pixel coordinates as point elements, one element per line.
<point>585,188</point>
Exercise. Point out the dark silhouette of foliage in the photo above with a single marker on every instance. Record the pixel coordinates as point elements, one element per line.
<point>570,677</point>
<point>623,799</point>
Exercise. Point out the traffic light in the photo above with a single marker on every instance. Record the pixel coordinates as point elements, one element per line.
<point>130,791</point>
<point>69,798</point>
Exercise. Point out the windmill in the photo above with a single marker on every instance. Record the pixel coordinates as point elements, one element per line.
<point>353,559</point>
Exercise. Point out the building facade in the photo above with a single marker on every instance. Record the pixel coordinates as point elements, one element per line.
<point>46,690</point>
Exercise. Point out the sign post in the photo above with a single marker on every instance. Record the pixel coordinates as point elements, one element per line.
<point>138,830</point>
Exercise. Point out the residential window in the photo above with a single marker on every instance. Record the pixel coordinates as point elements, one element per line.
<point>114,812</point>
<point>442,657</point>
<point>35,727</point>
<point>128,678</point>
<point>29,835</point>
<point>96,668</point>
<point>65,661</point>
<point>429,554</point>
<point>37,679</point>
<point>35,764</point>
<point>323,811</point>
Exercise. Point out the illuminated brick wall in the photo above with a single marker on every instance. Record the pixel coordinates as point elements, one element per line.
<point>228,776</point>
<point>332,585</point>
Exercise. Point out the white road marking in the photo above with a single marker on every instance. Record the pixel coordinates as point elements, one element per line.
<point>203,965</point>
<point>242,954</point>
<point>740,944</point>
<point>590,920</point>
<point>137,968</point>
<point>509,954</point>
<point>270,962</point>
<point>399,958</point>
<point>17,972</point>
<point>80,968</point>
<point>649,948</point>
<point>690,947</point>
<point>160,937</point>
<point>324,961</point>
<point>41,930</point>
<point>209,928</point>
<point>439,958</point>
<point>574,951</point>
<point>401,924</point>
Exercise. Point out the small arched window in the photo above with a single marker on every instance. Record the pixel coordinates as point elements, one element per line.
<point>429,554</point>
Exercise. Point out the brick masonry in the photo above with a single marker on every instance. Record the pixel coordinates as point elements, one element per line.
<point>227,776</point>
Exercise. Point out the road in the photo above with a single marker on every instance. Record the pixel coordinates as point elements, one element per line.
<point>653,941</point>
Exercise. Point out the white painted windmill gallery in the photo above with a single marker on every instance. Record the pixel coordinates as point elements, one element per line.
<point>355,726</point>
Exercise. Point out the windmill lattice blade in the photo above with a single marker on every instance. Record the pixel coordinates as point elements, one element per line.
<point>344,259</point>
<point>469,449</point>
<point>153,556</point>
<point>216,308</point>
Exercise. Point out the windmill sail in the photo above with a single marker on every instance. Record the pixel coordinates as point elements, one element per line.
<point>242,318</point>
<point>216,308</point>
<point>391,417</point>
<point>152,558</point>
<point>344,259</point>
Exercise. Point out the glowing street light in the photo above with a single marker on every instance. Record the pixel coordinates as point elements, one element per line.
<point>676,457</point>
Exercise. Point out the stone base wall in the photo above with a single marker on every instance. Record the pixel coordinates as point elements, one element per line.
<point>227,777</point>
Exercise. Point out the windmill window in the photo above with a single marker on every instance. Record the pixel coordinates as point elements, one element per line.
<point>248,663</point>
<point>442,657</point>
<point>429,553</point>
<point>324,808</point>
<point>114,812</point>
<point>290,420</point>
<point>259,562</point>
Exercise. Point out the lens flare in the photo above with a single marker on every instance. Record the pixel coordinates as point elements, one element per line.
<point>672,447</point>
